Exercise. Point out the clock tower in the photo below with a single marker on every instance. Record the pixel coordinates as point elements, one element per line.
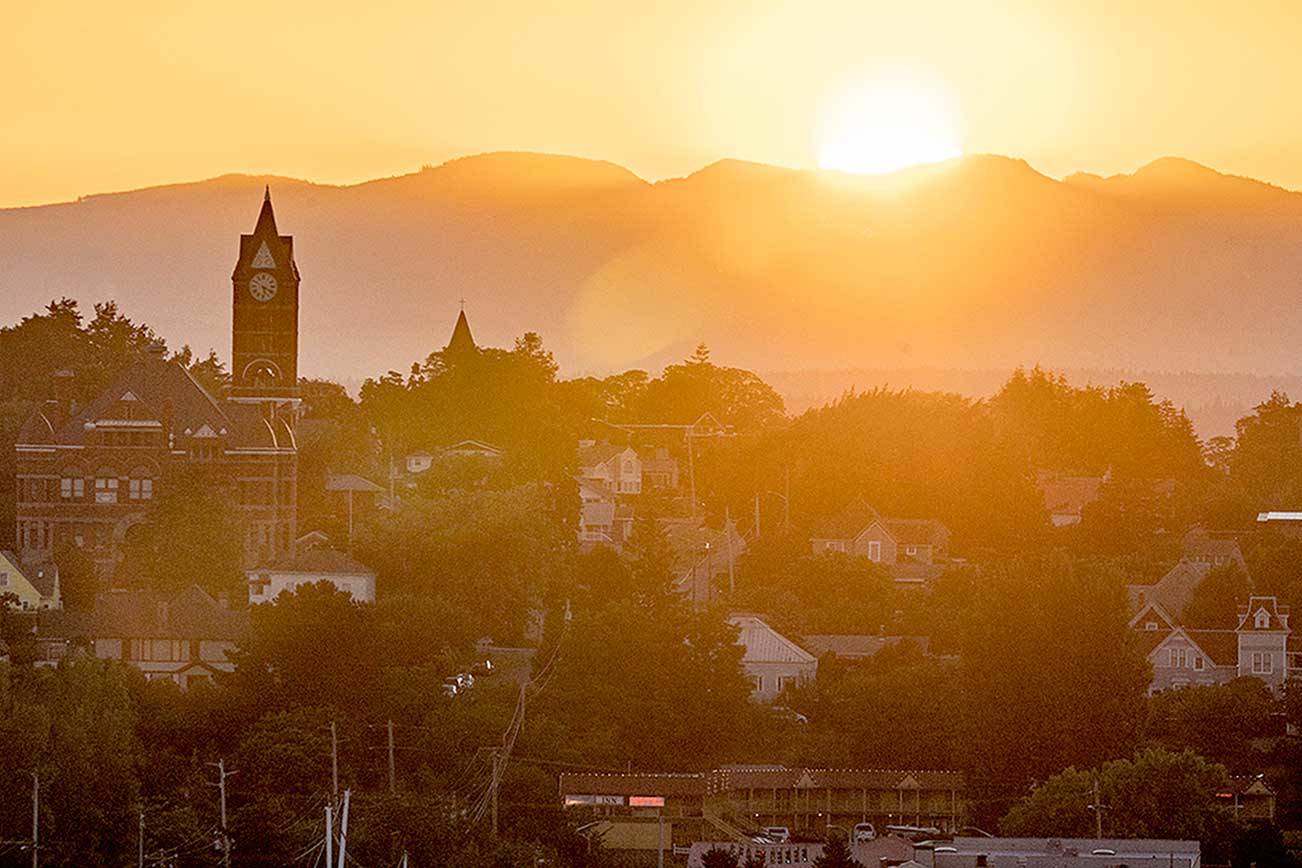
<point>264,321</point>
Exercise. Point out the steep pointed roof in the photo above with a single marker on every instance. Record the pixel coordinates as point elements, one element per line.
<point>267,216</point>
<point>462,341</point>
<point>265,247</point>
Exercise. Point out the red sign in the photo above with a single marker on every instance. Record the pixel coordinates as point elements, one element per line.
<point>646,801</point>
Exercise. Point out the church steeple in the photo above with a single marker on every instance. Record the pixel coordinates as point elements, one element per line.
<point>462,341</point>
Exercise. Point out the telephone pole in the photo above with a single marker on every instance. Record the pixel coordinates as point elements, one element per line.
<point>343,830</point>
<point>334,762</point>
<point>1097,807</point>
<point>140,841</point>
<point>393,786</point>
<point>329,838</point>
<point>497,771</point>
<point>36,815</point>
<point>222,775</point>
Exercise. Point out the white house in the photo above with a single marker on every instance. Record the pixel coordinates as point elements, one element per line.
<point>619,467</point>
<point>772,661</point>
<point>311,565</point>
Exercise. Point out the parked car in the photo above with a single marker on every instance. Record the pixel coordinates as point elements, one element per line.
<point>450,688</point>
<point>864,832</point>
<point>777,834</point>
<point>483,668</point>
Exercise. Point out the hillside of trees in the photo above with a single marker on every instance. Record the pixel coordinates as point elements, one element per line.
<point>627,675</point>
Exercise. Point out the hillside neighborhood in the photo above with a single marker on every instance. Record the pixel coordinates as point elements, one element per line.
<point>632,620</point>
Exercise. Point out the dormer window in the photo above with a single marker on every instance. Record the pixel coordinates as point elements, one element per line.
<point>1150,625</point>
<point>1262,620</point>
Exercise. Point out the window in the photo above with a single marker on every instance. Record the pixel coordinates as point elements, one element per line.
<point>106,489</point>
<point>4,580</point>
<point>759,683</point>
<point>1198,662</point>
<point>874,550</point>
<point>1150,625</point>
<point>142,489</point>
<point>72,488</point>
<point>911,550</point>
<point>1262,663</point>
<point>1178,658</point>
<point>1263,619</point>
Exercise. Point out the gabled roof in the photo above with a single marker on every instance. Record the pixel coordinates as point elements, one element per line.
<point>1173,591</point>
<point>917,531</point>
<point>187,614</point>
<point>474,446</point>
<point>1200,544</point>
<point>848,523</point>
<point>853,647</point>
<point>352,482</point>
<point>43,577</point>
<point>320,560</point>
<point>763,644</point>
<point>1149,611</point>
<point>600,453</point>
<point>163,392</point>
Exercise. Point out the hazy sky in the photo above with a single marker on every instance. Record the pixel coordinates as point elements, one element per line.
<point>110,96</point>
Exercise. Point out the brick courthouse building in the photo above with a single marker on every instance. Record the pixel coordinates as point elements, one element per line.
<point>86,474</point>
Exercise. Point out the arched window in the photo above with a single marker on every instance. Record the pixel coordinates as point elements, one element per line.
<point>106,486</point>
<point>141,485</point>
<point>261,374</point>
<point>72,485</point>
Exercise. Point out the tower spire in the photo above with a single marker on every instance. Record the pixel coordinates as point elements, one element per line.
<point>462,341</point>
<point>267,216</point>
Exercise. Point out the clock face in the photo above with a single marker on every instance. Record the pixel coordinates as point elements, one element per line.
<point>263,287</point>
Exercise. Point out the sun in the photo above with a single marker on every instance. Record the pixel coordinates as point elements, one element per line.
<point>887,122</point>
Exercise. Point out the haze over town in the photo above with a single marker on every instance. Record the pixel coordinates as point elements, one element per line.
<point>831,435</point>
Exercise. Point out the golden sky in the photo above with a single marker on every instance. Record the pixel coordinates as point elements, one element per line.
<point>111,96</point>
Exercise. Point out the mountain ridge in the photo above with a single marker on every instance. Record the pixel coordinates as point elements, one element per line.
<point>979,261</point>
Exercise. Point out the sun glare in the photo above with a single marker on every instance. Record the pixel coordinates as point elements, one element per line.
<point>886,123</point>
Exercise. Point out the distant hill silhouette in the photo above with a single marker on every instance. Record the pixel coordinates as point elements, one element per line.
<point>979,263</point>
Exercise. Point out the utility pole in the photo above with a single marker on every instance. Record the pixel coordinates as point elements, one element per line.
<point>222,775</point>
<point>691,468</point>
<point>343,830</point>
<point>1097,807</point>
<point>727,532</point>
<point>786,504</point>
<point>334,762</point>
<point>330,838</point>
<point>393,787</point>
<point>140,841</point>
<point>497,771</point>
<point>36,826</point>
<point>757,517</point>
